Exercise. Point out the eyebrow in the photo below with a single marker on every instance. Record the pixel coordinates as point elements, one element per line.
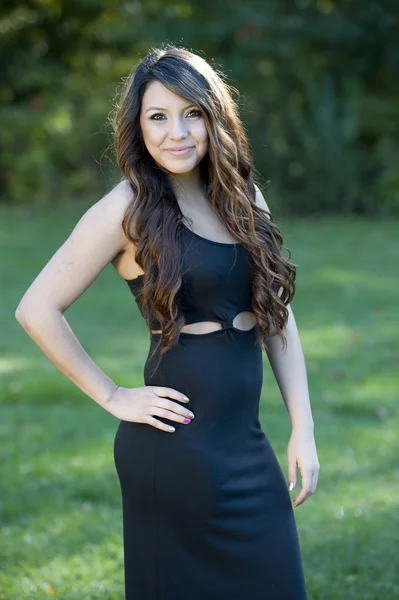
<point>165,109</point>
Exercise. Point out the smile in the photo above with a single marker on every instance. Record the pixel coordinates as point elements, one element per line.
<point>181,152</point>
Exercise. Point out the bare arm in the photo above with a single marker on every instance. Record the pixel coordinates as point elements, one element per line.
<point>290,372</point>
<point>96,239</point>
<point>289,367</point>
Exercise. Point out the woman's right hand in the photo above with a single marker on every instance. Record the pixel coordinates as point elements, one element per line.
<point>140,404</point>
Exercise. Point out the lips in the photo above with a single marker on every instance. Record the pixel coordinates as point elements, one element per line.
<point>180,148</point>
<point>180,151</point>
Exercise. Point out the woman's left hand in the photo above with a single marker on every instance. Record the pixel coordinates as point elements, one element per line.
<point>302,454</point>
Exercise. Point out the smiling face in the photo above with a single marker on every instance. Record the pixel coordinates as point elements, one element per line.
<point>173,129</point>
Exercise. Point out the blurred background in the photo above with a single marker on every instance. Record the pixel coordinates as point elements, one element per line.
<point>318,81</point>
<point>319,97</point>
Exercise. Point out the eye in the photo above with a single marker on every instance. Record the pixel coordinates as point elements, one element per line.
<point>156,115</point>
<point>197,113</point>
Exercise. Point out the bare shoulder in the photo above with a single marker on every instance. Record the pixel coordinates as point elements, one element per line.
<point>110,210</point>
<point>95,241</point>
<point>260,200</point>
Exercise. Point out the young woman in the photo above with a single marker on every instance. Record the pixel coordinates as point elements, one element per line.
<point>207,513</point>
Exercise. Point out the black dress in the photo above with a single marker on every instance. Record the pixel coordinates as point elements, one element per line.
<point>206,510</point>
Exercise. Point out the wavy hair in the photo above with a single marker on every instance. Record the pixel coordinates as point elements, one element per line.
<point>227,174</point>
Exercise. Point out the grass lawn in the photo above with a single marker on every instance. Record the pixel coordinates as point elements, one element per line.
<point>61,515</point>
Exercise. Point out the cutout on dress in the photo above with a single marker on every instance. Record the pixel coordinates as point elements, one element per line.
<point>243,321</point>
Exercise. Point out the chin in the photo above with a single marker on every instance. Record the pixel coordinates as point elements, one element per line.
<point>181,168</point>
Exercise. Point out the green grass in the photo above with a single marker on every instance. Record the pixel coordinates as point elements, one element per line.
<point>61,527</point>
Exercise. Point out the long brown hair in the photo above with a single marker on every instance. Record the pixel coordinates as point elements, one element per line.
<point>227,174</point>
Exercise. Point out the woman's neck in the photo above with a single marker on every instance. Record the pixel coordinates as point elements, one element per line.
<point>188,187</point>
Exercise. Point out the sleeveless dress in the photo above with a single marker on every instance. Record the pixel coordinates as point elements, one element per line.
<point>206,510</point>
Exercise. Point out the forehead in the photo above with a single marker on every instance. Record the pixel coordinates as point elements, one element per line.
<point>159,95</point>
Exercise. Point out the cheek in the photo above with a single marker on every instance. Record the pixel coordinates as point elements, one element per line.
<point>204,134</point>
<point>200,134</point>
<point>152,135</point>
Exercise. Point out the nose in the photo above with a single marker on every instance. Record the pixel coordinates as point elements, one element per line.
<point>178,129</point>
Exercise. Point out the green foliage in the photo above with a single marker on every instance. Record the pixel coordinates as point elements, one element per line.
<point>319,93</point>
